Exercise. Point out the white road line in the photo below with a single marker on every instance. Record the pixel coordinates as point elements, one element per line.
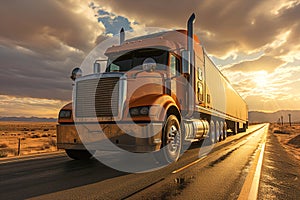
<point>250,188</point>
<point>254,187</point>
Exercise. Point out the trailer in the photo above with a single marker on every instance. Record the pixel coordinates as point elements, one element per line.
<point>157,92</point>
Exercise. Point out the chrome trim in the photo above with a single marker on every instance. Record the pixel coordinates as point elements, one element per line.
<point>122,96</point>
<point>121,101</point>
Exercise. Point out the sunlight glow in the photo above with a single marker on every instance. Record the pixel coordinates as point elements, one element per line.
<point>261,79</point>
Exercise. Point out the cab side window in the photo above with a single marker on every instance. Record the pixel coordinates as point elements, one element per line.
<point>174,66</point>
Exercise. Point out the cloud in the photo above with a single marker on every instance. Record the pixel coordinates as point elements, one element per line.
<point>11,106</point>
<point>223,26</point>
<point>113,23</point>
<point>265,63</point>
<point>40,42</point>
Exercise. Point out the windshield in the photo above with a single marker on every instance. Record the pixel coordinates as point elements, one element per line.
<point>135,59</point>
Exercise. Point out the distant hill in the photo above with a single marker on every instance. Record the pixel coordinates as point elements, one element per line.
<point>255,116</point>
<point>28,119</point>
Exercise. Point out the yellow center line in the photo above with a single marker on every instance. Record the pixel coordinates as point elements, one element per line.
<point>188,165</point>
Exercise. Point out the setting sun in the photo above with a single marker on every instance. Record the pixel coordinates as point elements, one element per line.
<point>261,79</point>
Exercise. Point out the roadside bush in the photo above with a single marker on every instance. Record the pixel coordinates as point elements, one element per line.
<point>35,136</point>
<point>52,142</point>
<point>45,146</point>
<point>3,153</point>
<point>44,135</point>
<point>3,145</point>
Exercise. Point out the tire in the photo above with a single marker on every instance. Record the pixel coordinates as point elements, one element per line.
<point>172,141</point>
<point>225,131</point>
<point>217,131</point>
<point>221,131</point>
<point>212,132</point>
<point>235,129</point>
<point>79,154</point>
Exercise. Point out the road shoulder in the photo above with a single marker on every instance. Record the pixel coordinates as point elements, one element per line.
<point>280,177</point>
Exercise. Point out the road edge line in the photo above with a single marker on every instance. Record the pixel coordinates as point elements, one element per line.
<point>250,187</point>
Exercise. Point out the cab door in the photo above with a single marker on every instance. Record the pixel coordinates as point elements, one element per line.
<point>178,81</point>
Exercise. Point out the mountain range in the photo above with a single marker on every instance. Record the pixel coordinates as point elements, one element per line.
<point>28,119</point>
<point>254,117</point>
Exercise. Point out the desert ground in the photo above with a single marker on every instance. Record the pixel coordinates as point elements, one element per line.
<point>289,137</point>
<point>34,137</point>
<point>40,137</point>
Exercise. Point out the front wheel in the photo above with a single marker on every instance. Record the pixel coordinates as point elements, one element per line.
<point>172,141</point>
<point>79,154</point>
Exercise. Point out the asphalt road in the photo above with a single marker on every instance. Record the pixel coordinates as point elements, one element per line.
<point>199,174</point>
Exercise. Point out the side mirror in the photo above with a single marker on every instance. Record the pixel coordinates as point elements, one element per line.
<point>76,73</point>
<point>185,55</point>
<point>97,68</point>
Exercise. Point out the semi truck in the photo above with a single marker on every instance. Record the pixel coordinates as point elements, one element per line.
<point>163,83</point>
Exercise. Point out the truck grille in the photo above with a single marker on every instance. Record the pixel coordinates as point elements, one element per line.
<point>97,97</point>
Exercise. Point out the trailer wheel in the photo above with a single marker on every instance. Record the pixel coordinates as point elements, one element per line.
<point>221,131</point>
<point>225,131</point>
<point>217,132</point>
<point>172,141</point>
<point>212,132</point>
<point>235,128</point>
<point>79,154</point>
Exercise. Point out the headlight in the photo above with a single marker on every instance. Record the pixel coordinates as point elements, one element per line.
<point>76,73</point>
<point>139,111</point>
<point>65,114</point>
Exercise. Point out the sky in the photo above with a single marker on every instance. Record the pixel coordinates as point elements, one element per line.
<point>254,43</point>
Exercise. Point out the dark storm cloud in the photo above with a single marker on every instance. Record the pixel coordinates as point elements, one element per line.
<point>238,24</point>
<point>40,42</point>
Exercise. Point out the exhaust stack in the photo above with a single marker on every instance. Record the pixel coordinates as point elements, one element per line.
<point>122,36</point>
<point>190,49</point>
<point>190,45</point>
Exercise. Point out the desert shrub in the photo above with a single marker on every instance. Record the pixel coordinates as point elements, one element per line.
<point>3,145</point>
<point>3,153</point>
<point>35,136</point>
<point>52,142</point>
<point>44,135</point>
<point>45,146</point>
<point>46,129</point>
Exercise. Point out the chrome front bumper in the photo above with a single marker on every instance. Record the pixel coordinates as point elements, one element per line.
<point>130,137</point>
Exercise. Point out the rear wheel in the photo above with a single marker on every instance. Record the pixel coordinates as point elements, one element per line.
<point>221,131</point>
<point>225,131</point>
<point>212,132</point>
<point>79,154</point>
<point>217,132</point>
<point>235,128</point>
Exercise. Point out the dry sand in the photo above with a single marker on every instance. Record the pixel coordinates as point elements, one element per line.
<point>289,138</point>
<point>35,137</point>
